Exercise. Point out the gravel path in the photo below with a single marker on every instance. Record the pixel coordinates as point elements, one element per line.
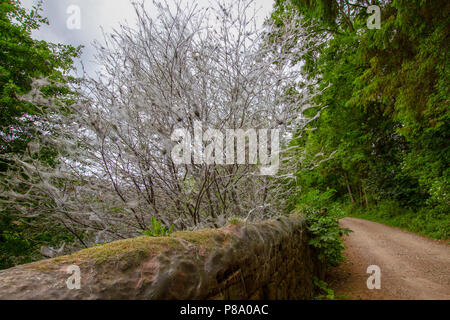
<point>412,267</point>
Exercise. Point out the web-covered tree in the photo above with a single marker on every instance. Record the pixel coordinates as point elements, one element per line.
<point>115,172</point>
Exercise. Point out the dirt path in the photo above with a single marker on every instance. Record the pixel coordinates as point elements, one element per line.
<point>412,267</point>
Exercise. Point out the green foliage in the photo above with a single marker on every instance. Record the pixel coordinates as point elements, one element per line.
<point>424,221</point>
<point>23,59</point>
<point>322,218</point>
<point>157,229</point>
<point>386,95</point>
<point>316,200</point>
<point>325,292</point>
<point>21,240</point>
<point>326,237</point>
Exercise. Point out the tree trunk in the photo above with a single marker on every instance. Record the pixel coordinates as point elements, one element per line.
<point>365,197</point>
<point>349,189</point>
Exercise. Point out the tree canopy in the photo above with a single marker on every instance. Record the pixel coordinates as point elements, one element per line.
<point>23,59</point>
<point>386,97</point>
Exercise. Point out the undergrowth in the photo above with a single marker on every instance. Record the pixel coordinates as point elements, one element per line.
<point>425,221</point>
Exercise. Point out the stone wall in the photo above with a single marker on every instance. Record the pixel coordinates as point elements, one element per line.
<point>267,260</point>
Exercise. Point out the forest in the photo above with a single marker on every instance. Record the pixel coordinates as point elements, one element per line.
<point>363,115</point>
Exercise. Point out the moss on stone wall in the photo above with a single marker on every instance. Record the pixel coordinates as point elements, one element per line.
<point>264,260</point>
<point>133,250</point>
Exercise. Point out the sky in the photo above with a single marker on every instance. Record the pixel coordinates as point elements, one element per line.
<point>95,15</point>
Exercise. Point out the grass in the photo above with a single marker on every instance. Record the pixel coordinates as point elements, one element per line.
<point>425,222</point>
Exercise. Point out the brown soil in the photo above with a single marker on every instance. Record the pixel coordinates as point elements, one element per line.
<point>412,267</point>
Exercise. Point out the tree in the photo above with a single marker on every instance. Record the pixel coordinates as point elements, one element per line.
<point>386,110</point>
<point>21,60</point>
<point>115,170</point>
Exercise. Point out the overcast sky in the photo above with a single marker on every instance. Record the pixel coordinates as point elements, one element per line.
<point>94,15</point>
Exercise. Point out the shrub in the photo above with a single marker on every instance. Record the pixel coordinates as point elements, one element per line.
<point>157,229</point>
<point>326,237</point>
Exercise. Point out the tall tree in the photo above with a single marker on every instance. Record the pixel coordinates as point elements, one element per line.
<point>23,59</point>
<point>386,98</point>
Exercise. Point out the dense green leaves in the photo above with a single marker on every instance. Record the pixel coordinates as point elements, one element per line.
<point>23,59</point>
<point>326,237</point>
<point>386,97</point>
<point>157,229</point>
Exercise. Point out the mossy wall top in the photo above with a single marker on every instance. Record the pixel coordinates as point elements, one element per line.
<point>266,260</point>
